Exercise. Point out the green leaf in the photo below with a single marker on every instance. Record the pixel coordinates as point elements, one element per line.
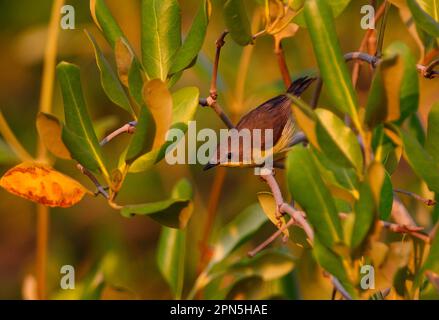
<point>308,189</point>
<point>431,264</point>
<point>426,15</point>
<point>269,265</point>
<point>161,36</point>
<point>236,20</point>
<point>188,52</point>
<point>330,59</point>
<point>158,100</point>
<point>421,162</point>
<point>342,182</point>
<point>143,137</point>
<point>50,130</point>
<point>184,104</point>
<point>395,89</point>
<point>431,143</point>
<point>136,82</point>
<point>386,198</point>
<point>236,232</point>
<point>105,21</point>
<point>174,212</point>
<point>109,80</point>
<point>7,155</point>
<point>338,141</point>
<point>78,135</point>
<point>367,206</point>
<point>416,129</point>
<point>306,119</point>
<point>170,258</point>
<point>268,204</point>
<point>333,264</point>
<point>337,7</point>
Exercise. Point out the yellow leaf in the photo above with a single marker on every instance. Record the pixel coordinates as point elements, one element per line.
<point>287,32</point>
<point>93,13</point>
<point>50,130</point>
<point>42,184</point>
<point>268,204</point>
<point>124,59</point>
<point>159,101</point>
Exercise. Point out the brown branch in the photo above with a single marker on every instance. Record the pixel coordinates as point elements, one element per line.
<point>211,101</point>
<point>127,128</point>
<point>213,84</point>
<point>340,288</point>
<point>369,33</point>
<point>412,230</point>
<point>282,208</point>
<point>428,202</point>
<point>270,239</point>
<point>283,65</point>
<point>101,190</point>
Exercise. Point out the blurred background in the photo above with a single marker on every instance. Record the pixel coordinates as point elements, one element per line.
<point>91,232</point>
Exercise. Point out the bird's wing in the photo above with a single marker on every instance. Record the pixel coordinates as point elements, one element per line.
<point>272,114</point>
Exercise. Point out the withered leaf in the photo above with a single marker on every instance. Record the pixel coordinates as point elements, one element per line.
<point>42,184</point>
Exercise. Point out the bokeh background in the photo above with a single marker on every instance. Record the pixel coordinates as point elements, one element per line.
<point>92,232</point>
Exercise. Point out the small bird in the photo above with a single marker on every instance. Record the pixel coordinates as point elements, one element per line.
<point>273,114</point>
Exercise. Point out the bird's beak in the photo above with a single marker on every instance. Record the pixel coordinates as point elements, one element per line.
<point>209,166</point>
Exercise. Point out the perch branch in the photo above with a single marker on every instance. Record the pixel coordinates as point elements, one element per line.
<point>282,208</point>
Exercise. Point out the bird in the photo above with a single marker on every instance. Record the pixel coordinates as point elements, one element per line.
<point>273,114</point>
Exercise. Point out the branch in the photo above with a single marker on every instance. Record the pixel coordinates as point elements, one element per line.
<point>12,140</point>
<point>101,189</point>
<point>412,230</point>
<point>282,208</point>
<point>428,202</point>
<point>428,71</point>
<point>283,65</point>
<point>211,101</point>
<point>127,128</point>
<point>340,288</point>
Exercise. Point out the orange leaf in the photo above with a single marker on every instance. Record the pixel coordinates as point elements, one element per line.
<point>42,184</point>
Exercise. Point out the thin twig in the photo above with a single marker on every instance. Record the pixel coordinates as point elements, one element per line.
<point>428,202</point>
<point>46,96</point>
<point>283,65</point>
<point>101,190</point>
<point>340,288</point>
<point>213,85</point>
<point>12,140</point>
<point>270,239</point>
<point>127,128</point>
<point>296,217</point>
<point>364,41</point>
<point>412,230</point>
<point>382,31</point>
<point>211,101</point>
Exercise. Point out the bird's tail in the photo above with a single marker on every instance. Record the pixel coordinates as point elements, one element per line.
<point>300,85</point>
